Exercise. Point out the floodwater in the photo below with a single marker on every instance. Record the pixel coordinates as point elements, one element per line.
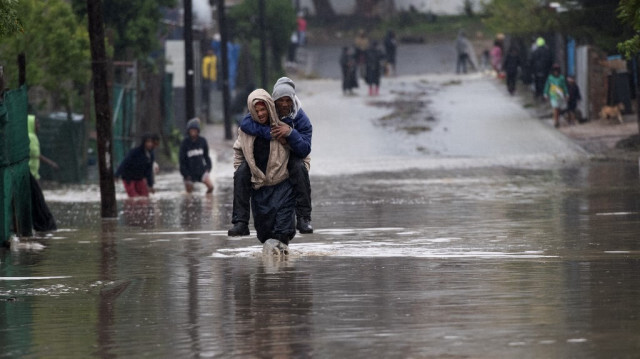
<point>466,263</point>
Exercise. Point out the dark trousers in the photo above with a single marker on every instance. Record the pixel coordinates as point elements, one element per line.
<point>540,81</point>
<point>299,177</point>
<point>511,81</point>
<point>461,65</point>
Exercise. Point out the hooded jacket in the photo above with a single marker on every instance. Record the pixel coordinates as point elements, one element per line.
<point>276,171</point>
<point>299,140</point>
<point>138,164</point>
<point>194,158</point>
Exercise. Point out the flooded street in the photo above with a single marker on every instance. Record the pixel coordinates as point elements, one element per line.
<point>471,247</point>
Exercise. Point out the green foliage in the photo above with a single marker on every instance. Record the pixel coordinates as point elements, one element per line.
<point>519,17</point>
<point>132,25</point>
<point>588,21</point>
<point>595,23</point>
<point>629,13</point>
<point>56,46</point>
<point>280,23</point>
<point>9,21</point>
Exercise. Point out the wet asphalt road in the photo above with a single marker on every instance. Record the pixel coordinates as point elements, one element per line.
<point>433,244</point>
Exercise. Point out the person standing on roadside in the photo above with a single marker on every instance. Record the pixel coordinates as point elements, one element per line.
<point>390,49</point>
<point>462,50</point>
<point>510,67</point>
<point>555,90</point>
<point>348,66</point>
<point>361,44</point>
<point>374,58</point>
<point>301,23</point>
<point>574,97</point>
<point>540,64</point>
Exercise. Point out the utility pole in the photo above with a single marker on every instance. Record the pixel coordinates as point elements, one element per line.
<point>222,23</point>
<point>22,69</point>
<point>263,44</point>
<point>102,108</point>
<point>188,60</point>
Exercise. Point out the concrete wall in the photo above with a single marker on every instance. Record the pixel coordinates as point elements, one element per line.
<point>440,7</point>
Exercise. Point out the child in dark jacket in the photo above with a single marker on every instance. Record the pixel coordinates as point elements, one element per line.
<point>136,170</point>
<point>195,163</point>
<point>574,97</point>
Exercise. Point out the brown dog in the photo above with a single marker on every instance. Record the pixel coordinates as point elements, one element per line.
<point>608,112</point>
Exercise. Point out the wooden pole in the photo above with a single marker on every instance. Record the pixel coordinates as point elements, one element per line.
<point>188,61</point>
<point>263,45</point>
<point>102,109</point>
<point>225,69</point>
<point>22,69</point>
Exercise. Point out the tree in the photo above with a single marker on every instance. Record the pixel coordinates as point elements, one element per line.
<point>133,24</point>
<point>629,13</point>
<point>280,23</point>
<point>9,20</point>
<point>519,17</point>
<point>56,46</point>
<point>589,21</point>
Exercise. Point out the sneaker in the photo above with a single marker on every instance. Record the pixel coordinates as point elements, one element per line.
<point>304,225</point>
<point>273,247</point>
<point>239,229</point>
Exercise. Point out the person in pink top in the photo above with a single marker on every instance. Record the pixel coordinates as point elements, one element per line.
<point>302,29</point>
<point>496,56</point>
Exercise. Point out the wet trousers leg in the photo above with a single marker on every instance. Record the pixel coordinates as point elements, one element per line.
<point>241,194</point>
<point>299,177</point>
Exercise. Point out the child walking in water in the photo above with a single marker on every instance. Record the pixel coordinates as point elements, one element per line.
<point>195,163</point>
<point>136,170</point>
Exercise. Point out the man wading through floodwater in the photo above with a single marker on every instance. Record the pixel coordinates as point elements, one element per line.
<point>272,194</point>
<point>296,132</point>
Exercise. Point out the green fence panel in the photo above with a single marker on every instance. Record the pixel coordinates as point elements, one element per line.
<point>15,193</point>
<point>62,141</point>
<point>124,106</point>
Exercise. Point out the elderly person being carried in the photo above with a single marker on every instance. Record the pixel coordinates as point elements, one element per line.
<point>273,198</point>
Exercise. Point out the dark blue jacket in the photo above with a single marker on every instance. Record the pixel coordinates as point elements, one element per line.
<point>137,165</point>
<point>299,140</point>
<point>194,158</point>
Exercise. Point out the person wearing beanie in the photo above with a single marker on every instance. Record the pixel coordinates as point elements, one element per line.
<point>195,163</point>
<point>540,64</point>
<point>294,130</point>
<point>272,195</point>
<point>136,169</point>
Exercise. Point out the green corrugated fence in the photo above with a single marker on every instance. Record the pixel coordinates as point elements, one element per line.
<point>15,196</point>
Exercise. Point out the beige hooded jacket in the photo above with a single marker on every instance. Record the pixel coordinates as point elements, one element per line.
<point>278,155</point>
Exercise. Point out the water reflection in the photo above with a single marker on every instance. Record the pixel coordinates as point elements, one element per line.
<point>272,306</point>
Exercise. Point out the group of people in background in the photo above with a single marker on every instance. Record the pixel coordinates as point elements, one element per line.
<point>365,59</point>
<point>548,83</point>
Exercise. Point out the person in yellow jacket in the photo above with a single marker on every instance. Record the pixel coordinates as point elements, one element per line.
<point>209,77</point>
<point>34,149</point>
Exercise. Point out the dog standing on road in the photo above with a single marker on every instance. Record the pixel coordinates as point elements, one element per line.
<point>608,112</point>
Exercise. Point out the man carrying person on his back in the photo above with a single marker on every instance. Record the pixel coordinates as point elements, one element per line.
<point>296,133</point>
